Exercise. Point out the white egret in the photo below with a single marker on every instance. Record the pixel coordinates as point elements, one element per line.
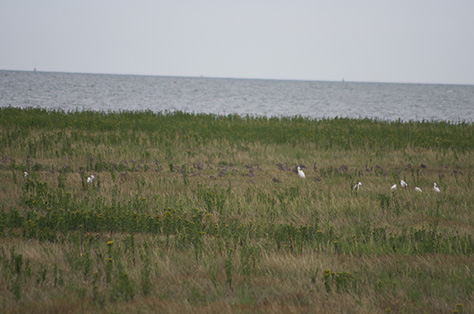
<point>90,179</point>
<point>357,186</point>
<point>435,188</point>
<point>25,174</point>
<point>394,187</point>
<point>403,184</point>
<point>418,189</point>
<point>301,173</point>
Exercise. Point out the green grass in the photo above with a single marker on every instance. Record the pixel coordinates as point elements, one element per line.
<point>206,213</point>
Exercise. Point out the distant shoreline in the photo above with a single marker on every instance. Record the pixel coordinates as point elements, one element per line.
<point>242,78</point>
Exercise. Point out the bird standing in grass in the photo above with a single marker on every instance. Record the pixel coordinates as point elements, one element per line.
<point>394,187</point>
<point>90,179</point>
<point>418,189</point>
<point>301,173</point>
<point>357,186</point>
<point>403,184</point>
<point>435,188</point>
<point>25,174</point>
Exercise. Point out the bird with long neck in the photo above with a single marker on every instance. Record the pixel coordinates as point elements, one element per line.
<point>301,173</point>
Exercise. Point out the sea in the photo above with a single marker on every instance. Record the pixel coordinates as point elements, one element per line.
<point>245,97</point>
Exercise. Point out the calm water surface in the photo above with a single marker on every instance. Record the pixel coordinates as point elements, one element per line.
<point>314,99</point>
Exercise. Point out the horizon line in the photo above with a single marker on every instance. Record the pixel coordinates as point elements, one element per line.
<point>342,80</point>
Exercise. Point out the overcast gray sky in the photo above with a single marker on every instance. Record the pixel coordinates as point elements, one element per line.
<point>421,41</point>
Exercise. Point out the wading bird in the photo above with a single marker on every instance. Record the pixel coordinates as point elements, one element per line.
<point>357,186</point>
<point>301,173</point>
<point>403,184</point>
<point>25,174</point>
<point>418,189</point>
<point>90,179</point>
<point>435,188</point>
<point>394,187</point>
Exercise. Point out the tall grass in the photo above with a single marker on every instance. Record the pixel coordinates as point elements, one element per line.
<point>194,212</point>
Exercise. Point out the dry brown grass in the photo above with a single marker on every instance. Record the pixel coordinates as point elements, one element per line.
<point>239,267</point>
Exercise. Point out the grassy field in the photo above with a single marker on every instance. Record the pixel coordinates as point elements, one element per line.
<point>203,213</point>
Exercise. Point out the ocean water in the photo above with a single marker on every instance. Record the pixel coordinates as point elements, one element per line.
<point>312,99</point>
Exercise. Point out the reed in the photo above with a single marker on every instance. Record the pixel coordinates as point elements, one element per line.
<point>194,212</point>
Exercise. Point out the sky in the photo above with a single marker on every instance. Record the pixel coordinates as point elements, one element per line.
<point>422,41</point>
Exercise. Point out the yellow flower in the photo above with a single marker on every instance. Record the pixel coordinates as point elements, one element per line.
<point>110,242</point>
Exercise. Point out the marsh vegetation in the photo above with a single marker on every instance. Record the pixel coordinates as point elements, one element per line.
<point>190,212</point>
